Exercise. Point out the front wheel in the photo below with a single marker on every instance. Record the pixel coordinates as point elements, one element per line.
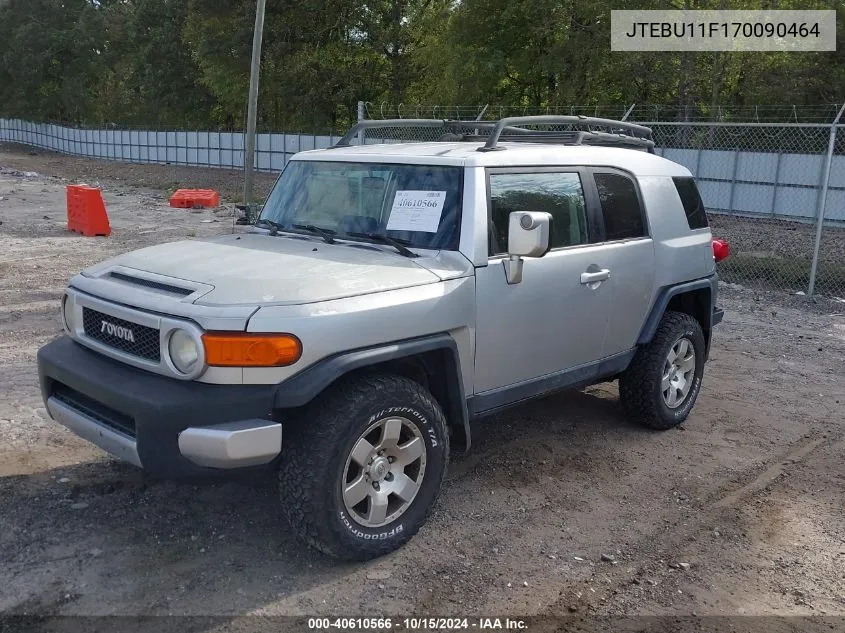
<point>661,385</point>
<point>362,467</point>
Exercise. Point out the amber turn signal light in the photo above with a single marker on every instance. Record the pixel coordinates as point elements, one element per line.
<point>244,349</point>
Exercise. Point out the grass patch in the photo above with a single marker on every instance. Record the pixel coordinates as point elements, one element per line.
<point>775,272</point>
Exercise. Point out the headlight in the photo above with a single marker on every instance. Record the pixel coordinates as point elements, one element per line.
<point>184,351</point>
<point>67,314</point>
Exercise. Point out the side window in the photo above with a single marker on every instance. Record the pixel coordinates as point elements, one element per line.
<point>620,206</point>
<point>560,194</point>
<point>691,199</point>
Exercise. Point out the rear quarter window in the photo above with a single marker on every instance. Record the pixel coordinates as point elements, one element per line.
<point>620,206</point>
<point>691,199</point>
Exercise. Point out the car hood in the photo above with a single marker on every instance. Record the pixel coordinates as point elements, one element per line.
<point>256,268</point>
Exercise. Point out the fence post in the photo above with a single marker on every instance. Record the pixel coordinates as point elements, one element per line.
<point>823,202</point>
<point>361,117</point>
<point>775,185</point>
<point>733,180</point>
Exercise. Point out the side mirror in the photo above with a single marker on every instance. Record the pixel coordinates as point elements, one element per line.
<point>528,236</point>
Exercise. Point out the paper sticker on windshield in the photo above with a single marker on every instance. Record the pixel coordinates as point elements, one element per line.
<point>416,211</point>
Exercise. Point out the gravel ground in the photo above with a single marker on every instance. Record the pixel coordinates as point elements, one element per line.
<point>562,508</point>
<point>228,183</point>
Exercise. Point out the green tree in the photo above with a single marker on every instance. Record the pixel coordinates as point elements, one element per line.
<point>185,63</point>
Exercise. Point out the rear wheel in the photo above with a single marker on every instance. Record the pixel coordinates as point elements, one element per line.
<point>660,387</point>
<point>362,467</point>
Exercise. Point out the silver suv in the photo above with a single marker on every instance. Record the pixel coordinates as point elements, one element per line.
<point>388,295</point>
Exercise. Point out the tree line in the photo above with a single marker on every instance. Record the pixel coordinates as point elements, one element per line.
<point>185,63</point>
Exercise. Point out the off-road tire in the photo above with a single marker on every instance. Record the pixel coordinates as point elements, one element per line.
<point>315,449</point>
<point>639,386</point>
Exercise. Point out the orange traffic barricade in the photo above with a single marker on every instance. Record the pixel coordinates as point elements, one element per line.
<point>86,211</point>
<point>191,198</point>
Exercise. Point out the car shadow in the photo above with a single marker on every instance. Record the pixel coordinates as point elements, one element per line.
<point>105,537</point>
<point>557,413</point>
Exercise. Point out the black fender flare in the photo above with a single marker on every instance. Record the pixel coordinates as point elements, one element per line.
<point>306,385</point>
<point>665,295</point>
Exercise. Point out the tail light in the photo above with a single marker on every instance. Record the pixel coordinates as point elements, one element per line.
<point>721,250</point>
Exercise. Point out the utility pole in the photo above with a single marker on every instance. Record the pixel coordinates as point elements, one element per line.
<point>252,110</point>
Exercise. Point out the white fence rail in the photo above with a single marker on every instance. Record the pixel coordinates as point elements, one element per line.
<point>197,149</point>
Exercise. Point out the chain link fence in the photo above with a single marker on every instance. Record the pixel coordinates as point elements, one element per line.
<point>765,173</point>
<point>655,113</point>
<point>764,183</point>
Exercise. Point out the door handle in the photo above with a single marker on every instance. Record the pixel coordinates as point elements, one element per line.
<point>599,275</point>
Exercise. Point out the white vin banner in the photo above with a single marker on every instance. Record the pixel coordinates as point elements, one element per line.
<point>747,30</point>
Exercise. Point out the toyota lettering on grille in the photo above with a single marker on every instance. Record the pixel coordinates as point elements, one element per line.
<point>117,331</point>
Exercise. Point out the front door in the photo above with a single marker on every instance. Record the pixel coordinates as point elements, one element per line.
<point>556,318</point>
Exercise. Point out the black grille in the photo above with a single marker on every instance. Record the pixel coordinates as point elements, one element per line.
<point>157,285</point>
<point>93,409</point>
<point>144,341</point>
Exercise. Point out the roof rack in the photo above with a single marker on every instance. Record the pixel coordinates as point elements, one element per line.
<point>582,131</point>
<point>616,130</point>
<point>565,138</point>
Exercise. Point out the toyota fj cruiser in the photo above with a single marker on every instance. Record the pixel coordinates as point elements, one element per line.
<point>387,295</point>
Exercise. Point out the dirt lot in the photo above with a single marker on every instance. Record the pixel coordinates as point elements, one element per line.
<point>563,507</point>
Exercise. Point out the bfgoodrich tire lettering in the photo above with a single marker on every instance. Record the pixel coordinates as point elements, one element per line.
<point>316,454</point>
<point>640,389</point>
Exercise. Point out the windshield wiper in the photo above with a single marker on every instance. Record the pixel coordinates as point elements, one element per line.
<point>275,227</point>
<point>326,234</point>
<point>398,244</point>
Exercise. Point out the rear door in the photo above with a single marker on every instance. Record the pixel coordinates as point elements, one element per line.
<point>629,253</point>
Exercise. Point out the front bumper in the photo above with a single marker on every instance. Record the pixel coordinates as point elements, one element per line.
<point>169,427</point>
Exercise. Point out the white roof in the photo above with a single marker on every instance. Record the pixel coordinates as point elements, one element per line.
<point>464,153</point>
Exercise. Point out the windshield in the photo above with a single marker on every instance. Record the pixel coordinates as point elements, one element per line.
<point>419,205</point>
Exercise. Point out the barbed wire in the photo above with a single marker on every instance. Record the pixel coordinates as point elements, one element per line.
<point>822,113</point>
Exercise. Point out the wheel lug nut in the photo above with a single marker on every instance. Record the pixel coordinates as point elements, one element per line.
<point>375,485</point>
<point>388,477</point>
<point>391,459</point>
